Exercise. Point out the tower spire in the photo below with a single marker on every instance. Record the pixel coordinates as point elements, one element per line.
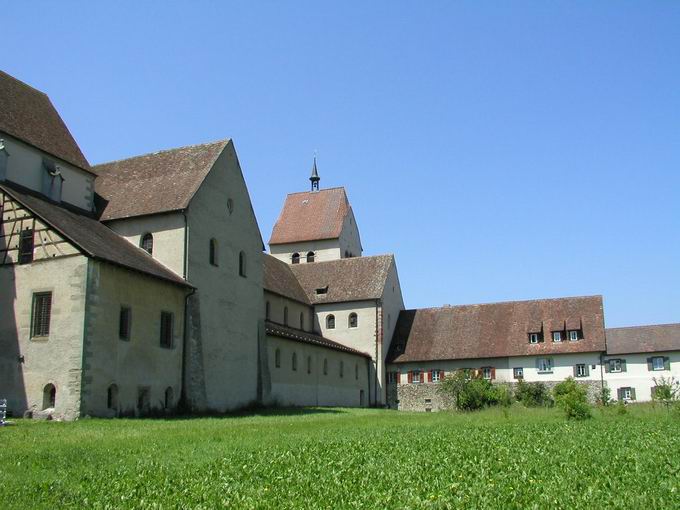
<point>315,177</point>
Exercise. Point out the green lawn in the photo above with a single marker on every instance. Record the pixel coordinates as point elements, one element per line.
<point>340,458</point>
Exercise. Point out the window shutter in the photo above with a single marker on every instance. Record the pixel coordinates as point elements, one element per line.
<point>575,370</point>
<point>410,377</point>
<point>623,365</point>
<point>493,373</point>
<point>587,370</point>
<point>650,365</point>
<point>429,375</point>
<point>619,394</point>
<point>632,393</point>
<point>606,366</point>
<point>666,363</point>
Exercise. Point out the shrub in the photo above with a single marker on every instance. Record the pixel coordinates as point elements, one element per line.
<point>667,391</point>
<point>621,407</point>
<point>533,394</point>
<point>604,397</point>
<point>572,398</point>
<point>471,394</point>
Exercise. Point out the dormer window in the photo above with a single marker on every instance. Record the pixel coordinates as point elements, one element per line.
<point>310,257</point>
<point>147,243</point>
<point>535,338</point>
<point>574,335</point>
<point>52,180</point>
<point>295,259</point>
<point>557,336</point>
<point>322,290</point>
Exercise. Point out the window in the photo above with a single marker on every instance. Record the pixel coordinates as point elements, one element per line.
<point>436,375</point>
<point>267,310</point>
<point>534,338</point>
<point>353,321</point>
<point>213,252</point>
<point>49,396</point>
<point>626,393</point>
<point>518,373</point>
<point>302,320</point>
<point>545,365</point>
<point>342,369</point>
<point>124,322</point>
<point>166,329</point>
<point>295,259</point>
<point>356,371</point>
<point>230,205</point>
<point>294,362</point>
<point>309,364</point>
<point>392,377</point>
<point>615,366</point>
<point>26,247</point>
<point>557,336</point>
<point>658,363</point>
<point>112,397</point>
<point>487,373</point>
<point>277,358</point>
<point>581,370</point>
<point>573,335</point>
<point>310,256</point>
<point>416,377</point>
<point>322,290</point>
<point>242,264</point>
<point>147,243</point>
<point>330,322</point>
<point>285,316</point>
<point>42,310</point>
<point>325,366</point>
<point>169,398</point>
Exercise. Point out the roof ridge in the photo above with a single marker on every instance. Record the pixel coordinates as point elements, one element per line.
<point>316,192</point>
<point>163,151</point>
<point>645,326</point>
<point>448,307</point>
<point>347,259</point>
<point>24,83</point>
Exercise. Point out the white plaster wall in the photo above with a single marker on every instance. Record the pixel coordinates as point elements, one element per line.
<point>25,167</point>
<point>277,305</point>
<point>56,359</point>
<point>392,304</point>
<point>349,237</point>
<point>638,376</point>
<point>168,236</point>
<point>231,306</point>
<point>326,249</point>
<point>299,388</point>
<point>139,361</point>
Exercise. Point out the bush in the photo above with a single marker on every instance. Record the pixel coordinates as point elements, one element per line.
<point>667,391</point>
<point>472,394</point>
<point>533,394</point>
<point>572,398</point>
<point>604,397</point>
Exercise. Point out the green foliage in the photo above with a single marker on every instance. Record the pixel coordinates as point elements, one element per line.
<point>621,408</point>
<point>667,391</point>
<point>572,398</point>
<point>323,458</point>
<point>533,394</point>
<point>604,396</point>
<point>473,394</point>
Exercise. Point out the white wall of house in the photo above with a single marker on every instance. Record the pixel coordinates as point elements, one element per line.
<point>350,242</point>
<point>308,385</point>
<point>25,167</point>
<point>637,374</point>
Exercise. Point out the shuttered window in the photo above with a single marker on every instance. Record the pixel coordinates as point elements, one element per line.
<point>42,310</point>
<point>26,247</point>
<point>581,370</point>
<point>166,329</point>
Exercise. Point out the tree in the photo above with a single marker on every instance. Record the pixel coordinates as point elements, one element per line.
<point>666,391</point>
<point>572,398</point>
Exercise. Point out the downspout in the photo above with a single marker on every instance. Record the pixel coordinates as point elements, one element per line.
<point>377,338</point>
<point>185,337</point>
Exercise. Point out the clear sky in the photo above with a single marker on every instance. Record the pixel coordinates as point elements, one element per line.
<point>501,150</point>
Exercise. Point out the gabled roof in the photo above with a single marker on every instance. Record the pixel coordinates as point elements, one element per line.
<point>497,330</point>
<point>154,183</point>
<point>28,115</point>
<point>309,338</point>
<point>311,216</point>
<point>90,236</point>
<point>279,278</point>
<point>352,279</point>
<point>638,339</point>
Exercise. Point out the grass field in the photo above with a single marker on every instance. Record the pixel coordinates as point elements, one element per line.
<point>323,458</point>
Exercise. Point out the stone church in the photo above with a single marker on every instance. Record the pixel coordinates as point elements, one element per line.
<point>142,286</point>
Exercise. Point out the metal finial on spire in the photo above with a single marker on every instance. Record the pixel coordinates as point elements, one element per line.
<point>315,176</point>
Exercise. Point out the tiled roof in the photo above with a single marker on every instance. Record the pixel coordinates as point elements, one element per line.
<point>497,329</point>
<point>352,279</point>
<point>279,279</point>
<point>28,115</point>
<point>154,183</point>
<point>311,216</point>
<point>92,237</point>
<point>309,338</point>
<point>638,339</point>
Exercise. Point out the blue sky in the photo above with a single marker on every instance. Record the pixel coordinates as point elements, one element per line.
<point>502,150</point>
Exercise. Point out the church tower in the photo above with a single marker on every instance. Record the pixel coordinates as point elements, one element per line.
<point>315,177</point>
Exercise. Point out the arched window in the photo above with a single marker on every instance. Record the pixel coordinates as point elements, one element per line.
<point>309,364</point>
<point>302,320</point>
<point>213,252</point>
<point>353,321</point>
<point>277,358</point>
<point>242,264</point>
<point>342,369</point>
<point>285,316</point>
<point>356,371</point>
<point>112,397</point>
<point>49,396</point>
<point>325,366</point>
<point>295,258</point>
<point>330,322</point>
<point>169,398</point>
<point>294,362</point>
<point>267,310</point>
<point>310,256</point>
<point>147,243</point>
<point>346,254</point>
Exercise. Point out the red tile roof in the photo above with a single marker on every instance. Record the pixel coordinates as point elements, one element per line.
<point>311,216</point>
<point>497,330</point>
<point>28,115</point>
<point>279,278</point>
<point>154,183</point>
<point>638,339</point>
<point>309,338</point>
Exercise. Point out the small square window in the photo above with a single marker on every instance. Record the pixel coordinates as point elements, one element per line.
<point>557,336</point>
<point>533,338</point>
<point>581,371</point>
<point>415,377</point>
<point>657,363</point>
<point>518,373</point>
<point>573,336</point>
<point>627,393</point>
<point>436,375</point>
<point>615,365</point>
<point>486,373</point>
<point>545,365</point>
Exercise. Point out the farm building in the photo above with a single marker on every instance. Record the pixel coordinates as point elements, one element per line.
<point>142,285</point>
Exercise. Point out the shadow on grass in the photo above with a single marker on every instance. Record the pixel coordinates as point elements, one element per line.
<point>246,412</point>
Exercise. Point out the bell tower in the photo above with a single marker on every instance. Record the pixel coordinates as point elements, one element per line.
<point>315,177</point>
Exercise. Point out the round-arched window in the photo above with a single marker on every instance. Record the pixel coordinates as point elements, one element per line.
<point>147,243</point>
<point>295,258</point>
<point>353,320</point>
<point>330,322</point>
